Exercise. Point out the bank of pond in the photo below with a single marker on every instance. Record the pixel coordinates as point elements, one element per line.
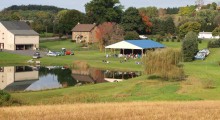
<point>32,78</point>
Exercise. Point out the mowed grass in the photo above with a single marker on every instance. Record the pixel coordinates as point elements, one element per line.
<point>202,110</point>
<point>202,82</point>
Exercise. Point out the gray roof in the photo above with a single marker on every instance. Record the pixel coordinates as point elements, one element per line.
<point>83,27</point>
<point>18,28</point>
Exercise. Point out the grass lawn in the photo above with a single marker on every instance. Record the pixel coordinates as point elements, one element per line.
<point>202,82</point>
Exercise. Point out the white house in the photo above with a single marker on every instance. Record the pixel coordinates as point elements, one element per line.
<point>17,35</point>
<point>207,35</point>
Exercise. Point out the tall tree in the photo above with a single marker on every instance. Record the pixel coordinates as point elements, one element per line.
<point>189,46</point>
<point>108,33</point>
<point>147,22</point>
<point>170,27</point>
<point>189,26</point>
<point>149,11</point>
<point>104,11</point>
<point>67,19</point>
<point>132,21</point>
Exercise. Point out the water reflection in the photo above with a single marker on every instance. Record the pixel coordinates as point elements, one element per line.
<point>29,78</point>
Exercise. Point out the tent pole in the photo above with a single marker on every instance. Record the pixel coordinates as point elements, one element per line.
<point>132,51</point>
<point>105,51</point>
<point>142,50</point>
<point>123,51</point>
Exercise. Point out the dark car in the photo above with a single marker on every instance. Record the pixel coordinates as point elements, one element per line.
<point>36,55</point>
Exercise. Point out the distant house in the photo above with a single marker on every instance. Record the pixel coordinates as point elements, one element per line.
<point>84,33</point>
<point>207,35</point>
<point>17,35</point>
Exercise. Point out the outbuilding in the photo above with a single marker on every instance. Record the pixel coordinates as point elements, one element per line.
<point>17,35</point>
<point>135,46</point>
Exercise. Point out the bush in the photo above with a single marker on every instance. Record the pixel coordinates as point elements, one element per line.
<point>167,40</point>
<point>4,97</point>
<point>214,44</point>
<point>178,40</point>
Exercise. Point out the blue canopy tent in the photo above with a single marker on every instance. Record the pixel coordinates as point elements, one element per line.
<point>133,46</point>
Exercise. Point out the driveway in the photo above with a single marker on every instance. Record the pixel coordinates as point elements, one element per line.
<point>25,52</point>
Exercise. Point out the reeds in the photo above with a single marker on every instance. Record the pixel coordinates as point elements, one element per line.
<point>164,63</point>
<point>82,65</point>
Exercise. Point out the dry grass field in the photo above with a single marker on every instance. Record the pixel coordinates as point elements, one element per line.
<point>197,110</point>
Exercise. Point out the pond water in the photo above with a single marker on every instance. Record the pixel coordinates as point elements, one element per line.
<point>29,78</point>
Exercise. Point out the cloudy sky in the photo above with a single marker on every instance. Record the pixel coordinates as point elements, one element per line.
<point>79,4</point>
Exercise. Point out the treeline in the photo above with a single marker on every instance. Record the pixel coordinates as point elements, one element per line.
<point>33,7</point>
<point>146,20</point>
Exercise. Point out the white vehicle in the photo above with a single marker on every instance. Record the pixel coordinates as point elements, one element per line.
<point>50,53</point>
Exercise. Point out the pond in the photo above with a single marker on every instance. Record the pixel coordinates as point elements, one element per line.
<point>30,78</point>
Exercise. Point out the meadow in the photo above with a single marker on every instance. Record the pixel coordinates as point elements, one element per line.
<point>201,83</point>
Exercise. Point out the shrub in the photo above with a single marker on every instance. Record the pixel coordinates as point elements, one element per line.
<point>4,97</point>
<point>167,40</point>
<point>178,40</point>
<point>214,44</point>
<point>208,84</point>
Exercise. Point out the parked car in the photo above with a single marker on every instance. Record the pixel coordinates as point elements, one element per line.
<point>205,51</point>
<point>50,53</point>
<point>200,56</point>
<point>36,55</point>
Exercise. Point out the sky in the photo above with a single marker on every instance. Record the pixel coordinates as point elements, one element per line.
<point>79,4</point>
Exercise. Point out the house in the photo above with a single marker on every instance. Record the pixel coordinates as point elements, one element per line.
<point>207,35</point>
<point>84,33</point>
<point>17,35</point>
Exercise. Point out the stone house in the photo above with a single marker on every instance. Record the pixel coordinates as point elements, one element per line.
<point>17,35</point>
<point>84,33</point>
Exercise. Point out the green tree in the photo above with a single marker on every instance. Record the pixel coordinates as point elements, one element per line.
<point>189,26</point>
<point>104,11</point>
<point>187,11</point>
<point>170,26</point>
<point>131,35</point>
<point>216,31</point>
<point>132,21</point>
<point>149,11</point>
<point>189,46</point>
<point>67,19</point>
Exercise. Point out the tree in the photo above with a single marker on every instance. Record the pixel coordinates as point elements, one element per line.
<point>189,26</point>
<point>107,33</point>
<point>170,27</point>
<point>147,22</point>
<point>162,12</point>
<point>132,21</point>
<point>217,20</point>
<point>149,11</point>
<point>164,63</point>
<point>67,19</point>
<point>131,35</point>
<point>104,11</point>
<point>189,46</point>
<point>187,11</point>
<point>216,31</point>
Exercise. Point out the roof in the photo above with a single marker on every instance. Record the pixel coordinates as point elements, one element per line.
<point>18,28</point>
<point>205,32</point>
<point>136,44</point>
<point>83,27</point>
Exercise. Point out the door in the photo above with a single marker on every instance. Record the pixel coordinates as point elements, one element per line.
<point>1,45</point>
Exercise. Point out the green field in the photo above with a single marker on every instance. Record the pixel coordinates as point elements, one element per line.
<point>202,82</point>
